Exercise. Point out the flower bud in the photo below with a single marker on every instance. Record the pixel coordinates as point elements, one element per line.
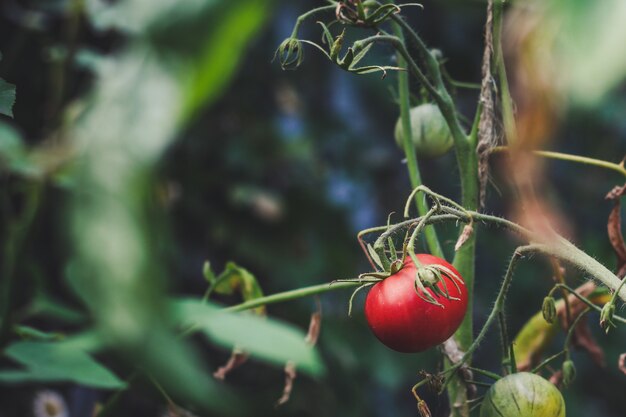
<point>606,316</point>
<point>290,53</point>
<point>548,309</point>
<point>569,372</point>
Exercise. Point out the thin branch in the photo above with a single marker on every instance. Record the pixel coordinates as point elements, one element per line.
<point>573,158</point>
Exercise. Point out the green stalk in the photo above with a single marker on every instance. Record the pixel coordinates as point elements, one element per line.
<point>573,158</point>
<point>293,295</point>
<point>467,162</point>
<point>430,233</point>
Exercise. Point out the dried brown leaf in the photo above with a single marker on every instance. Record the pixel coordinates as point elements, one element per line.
<point>614,225</point>
<point>237,358</point>
<point>315,324</point>
<point>290,377</point>
<point>422,409</point>
<point>557,378</point>
<point>583,339</point>
<point>465,234</point>
<point>616,192</point>
<point>486,127</point>
<point>314,328</point>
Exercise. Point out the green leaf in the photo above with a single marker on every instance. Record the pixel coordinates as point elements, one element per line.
<point>214,65</point>
<point>589,62</point>
<point>7,98</point>
<point>13,152</point>
<point>44,305</point>
<point>138,16</point>
<point>266,339</point>
<point>27,332</point>
<point>56,362</point>
<point>374,256</point>
<point>235,278</point>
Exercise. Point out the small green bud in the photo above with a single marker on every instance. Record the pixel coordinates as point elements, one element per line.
<point>290,53</point>
<point>336,46</point>
<point>548,309</point>
<point>569,372</point>
<point>606,316</point>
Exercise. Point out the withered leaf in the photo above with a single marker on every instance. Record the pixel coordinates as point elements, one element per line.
<point>312,335</point>
<point>237,358</point>
<point>290,377</point>
<point>465,234</point>
<point>614,225</point>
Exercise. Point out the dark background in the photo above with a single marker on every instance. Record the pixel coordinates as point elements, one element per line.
<point>280,174</point>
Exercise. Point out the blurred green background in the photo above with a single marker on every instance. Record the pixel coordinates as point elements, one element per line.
<point>217,154</point>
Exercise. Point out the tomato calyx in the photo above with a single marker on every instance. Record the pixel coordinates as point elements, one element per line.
<point>430,276</point>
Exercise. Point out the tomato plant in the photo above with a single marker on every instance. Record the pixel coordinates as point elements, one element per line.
<point>523,395</point>
<point>406,322</point>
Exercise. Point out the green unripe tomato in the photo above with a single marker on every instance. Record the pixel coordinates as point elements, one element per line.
<point>523,395</point>
<point>430,133</point>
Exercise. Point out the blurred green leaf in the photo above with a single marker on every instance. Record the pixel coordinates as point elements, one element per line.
<point>137,16</point>
<point>137,107</point>
<point>44,305</point>
<point>590,44</point>
<point>266,339</point>
<point>54,362</point>
<point>11,145</point>
<point>27,332</point>
<point>7,98</point>
<point>13,152</point>
<point>214,65</point>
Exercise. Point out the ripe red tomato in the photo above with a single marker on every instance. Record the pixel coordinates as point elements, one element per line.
<point>402,320</point>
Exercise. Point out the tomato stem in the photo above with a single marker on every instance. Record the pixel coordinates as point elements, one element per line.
<point>407,144</point>
<point>572,158</point>
<point>496,310</point>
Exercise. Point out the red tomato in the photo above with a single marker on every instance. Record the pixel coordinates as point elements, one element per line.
<point>402,320</point>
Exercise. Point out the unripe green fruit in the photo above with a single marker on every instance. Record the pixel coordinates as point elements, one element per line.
<point>523,395</point>
<point>431,135</point>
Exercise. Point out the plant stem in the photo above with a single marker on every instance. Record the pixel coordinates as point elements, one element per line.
<point>547,361</point>
<point>497,307</point>
<point>486,373</point>
<point>304,16</point>
<point>504,344</point>
<point>467,162</point>
<point>292,295</point>
<point>573,158</point>
<point>572,328</point>
<point>586,301</point>
<point>563,249</point>
<point>414,175</point>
